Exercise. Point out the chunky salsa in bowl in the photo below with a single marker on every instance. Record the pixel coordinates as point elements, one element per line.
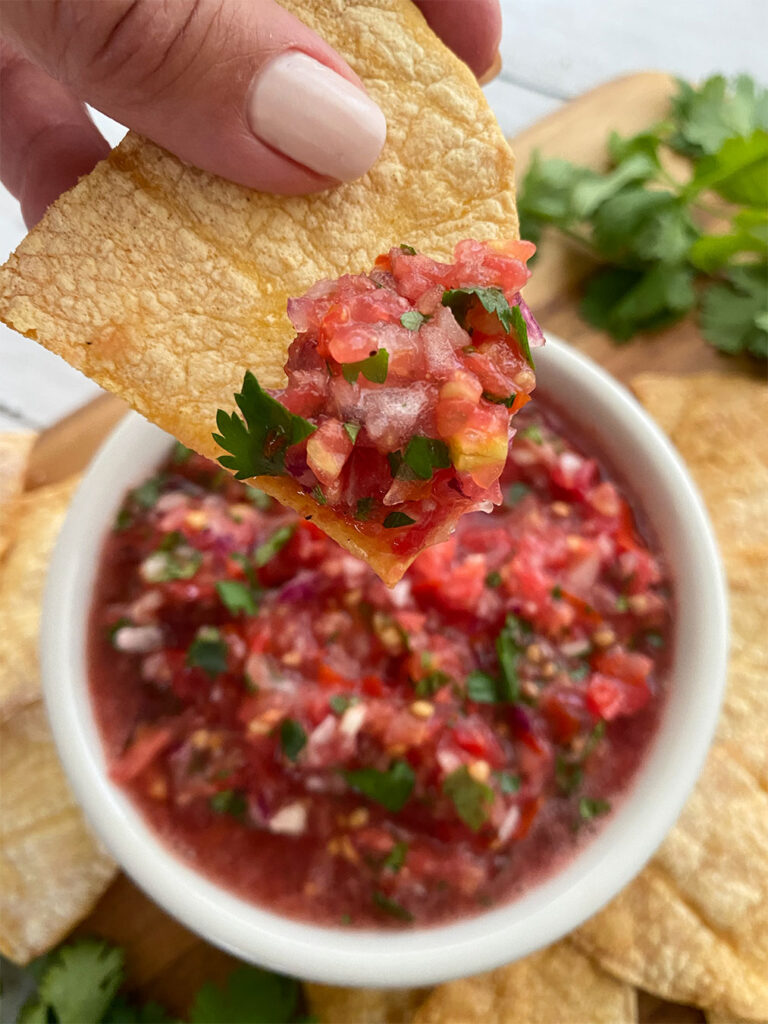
<point>351,755</point>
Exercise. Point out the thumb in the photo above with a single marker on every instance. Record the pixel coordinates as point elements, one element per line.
<point>240,88</point>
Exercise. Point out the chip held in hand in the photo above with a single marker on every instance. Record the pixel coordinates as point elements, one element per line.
<point>402,384</point>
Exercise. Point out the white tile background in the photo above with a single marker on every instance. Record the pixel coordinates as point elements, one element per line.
<point>552,50</point>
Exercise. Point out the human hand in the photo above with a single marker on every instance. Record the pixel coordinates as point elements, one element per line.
<point>240,88</point>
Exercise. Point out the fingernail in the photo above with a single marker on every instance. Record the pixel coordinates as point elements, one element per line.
<point>314,116</point>
<point>492,71</point>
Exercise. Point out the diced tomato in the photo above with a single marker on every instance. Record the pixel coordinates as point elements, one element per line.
<point>328,448</point>
<point>480,447</point>
<point>610,698</point>
<point>148,743</point>
<point>457,401</point>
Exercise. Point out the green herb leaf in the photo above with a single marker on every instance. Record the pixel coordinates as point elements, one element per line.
<point>396,857</point>
<point>413,319</point>
<point>493,579</point>
<point>208,651</point>
<point>339,702</point>
<point>236,597</point>
<point>423,455</point>
<point>391,907</point>
<point>591,808</point>
<point>293,738</point>
<point>472,799</point>
<point>396,519</point>
<point>181,454</point>
<point>275,543</point>
<point>482,688</point>
<point>80,981</point>
<point>521,331</point>
<point>515,493</point>
<point>352,429</point>
<point>430,683</point>
<point>508,650</point>
<point>408,249</point>
<point>147,494</point>
<point>250,996</point>
<point>532,433</point>
<point>173,560</point>
<point>568,775</point>
<point>317,494</point>
<point>391,788</point>
<point>257,442</point>
<point>508,782</point>
<point>257,497</point>
<point>508,401</point>
<point>229,801</point>
<point>493,300</point>
<point>733,314</point>
<point>707,115</point>
<point>363,509</point>
<point>374,368</point>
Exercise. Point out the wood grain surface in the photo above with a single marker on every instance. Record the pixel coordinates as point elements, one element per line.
<point>167,962</point>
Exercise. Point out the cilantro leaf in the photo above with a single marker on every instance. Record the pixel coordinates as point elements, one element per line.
<point>236,596</point>
<point>339,702</point>
<point>81,980</point>
<point>408,249</point>
<point>352,429</point>
<point>273,544</point>
<point>181,454</point>
<point>413,319</point>
<point>508,649</point>
<point>482,688</point>
<point>391,788</point>
<point>738,171</point>
<point>146,495</point>
<point>397,519</point>
<point>733,314</point>
<point>515,493</point>
<point>472,799</point>
<point>251,995</point>
<point>591,808</point>
<point>208,651</point>
<point>374,368</point>
<point>705,117</point>
<point>521,331</point>
<point>493,300</point>
<point>508,782</point>
<point>229,801</point>
<point>391,907</point>
<point>257,442</point>
<point>363,509</point>
<point>293,738</point>
<point>423,455</point>
<point>173,560</point>
<point>396,857</point>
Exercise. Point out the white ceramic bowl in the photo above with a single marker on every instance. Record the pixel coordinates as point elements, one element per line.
<point>629,440</point>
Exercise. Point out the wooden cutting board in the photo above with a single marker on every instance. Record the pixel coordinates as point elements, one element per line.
<point>165,961</point>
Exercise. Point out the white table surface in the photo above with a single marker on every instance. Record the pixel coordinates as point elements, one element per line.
<point>551,49</point>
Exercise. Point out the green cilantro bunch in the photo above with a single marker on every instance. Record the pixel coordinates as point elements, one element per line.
<point>81,981</point>
<point>670,234</point>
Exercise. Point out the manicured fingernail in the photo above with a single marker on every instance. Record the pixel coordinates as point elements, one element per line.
<point>314,116</point>
<point>492,71</point>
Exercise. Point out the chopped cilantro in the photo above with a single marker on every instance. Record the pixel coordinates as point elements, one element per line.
<point>396,857</point>
<point>508,649</point>
<point>568,775</point>
<point>79,983</point>
<point>654,639</point>
<point>557,592</point>
<point>293,738</point>
<point>397,519</point>
<point>509,401</point>
<point>374,368</point>
<point>345,919</point>
<point>181,454</point>
<point>591,808</point>
<point>273,544</point>
<point>508,782</point>
<point>352,429</point>
<point>460,301</point>
<point>250,994</point>
<point>515,493</point>
<point>237,597</point>
<point>262,501</point>
<point>622,603</point>
<point>146,495</point>
<point>408,249</point>
<point>208,651</point>
<point>317,494</point>
<point>423,455</point>
<point>413,319</point>
<point>521,330</point>
<point>482,688</point>
<point>363,509</point>
<point>581,671</point>
<point>123,519</point>
<point>533,433</point>
<point>173,561</point>
<point>391,788</point>
<point>339,702</point>
<point>472,799</point>
<point>229,801</point>
<point>391,907</point>
<point>430,683</point>
<point>257,442</point>
<point>493,579</point>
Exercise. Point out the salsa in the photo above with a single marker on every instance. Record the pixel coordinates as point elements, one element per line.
<point>349,754</point>
<point>401,388</point>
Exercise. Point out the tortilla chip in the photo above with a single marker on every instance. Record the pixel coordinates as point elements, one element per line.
<point>693,927</point>
<point>165,284</point>
<point>556,984</point>
<point>715,1017</point>
<point>14,454</point>
<point>333,1005</point>
<point>22,580</point>
<point>51,869</point>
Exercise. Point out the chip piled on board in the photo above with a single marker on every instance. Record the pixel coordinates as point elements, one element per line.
<point>167,285</point>
<point>14,452</point>
<point>693,927</point>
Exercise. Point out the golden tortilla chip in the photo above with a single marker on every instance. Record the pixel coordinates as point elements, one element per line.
<point>558,984</point>
<point>14,453</point>
<point>333,1005</point>
<point>22,580</point>
<point>51,869</point>
<point>715,1017</point>
<point>693,927</point>
<point>165,284</point>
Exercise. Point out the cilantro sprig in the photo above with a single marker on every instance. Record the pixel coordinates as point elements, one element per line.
<point>493,300</point>
<point>80,983</point>
<point>391,788</point>
<point>257,441</point>
<point>670,242</point>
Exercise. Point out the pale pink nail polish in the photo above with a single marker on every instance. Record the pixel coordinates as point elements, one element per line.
<point>314,116</point>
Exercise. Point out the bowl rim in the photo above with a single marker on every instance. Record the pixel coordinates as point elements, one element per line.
<point>426,955</point>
